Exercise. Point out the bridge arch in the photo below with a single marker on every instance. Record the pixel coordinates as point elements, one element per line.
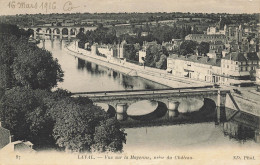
<point>39,30</point>
<point>56,31</point>
<point>48,31</point>
<point>73,31</point>
<point>65,31</point>
<point>209,105</point>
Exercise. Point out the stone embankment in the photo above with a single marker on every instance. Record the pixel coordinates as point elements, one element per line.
<point>153,74</point>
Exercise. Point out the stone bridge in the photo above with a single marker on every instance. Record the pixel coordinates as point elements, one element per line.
<point>121,100</point>
<point>59,31</point>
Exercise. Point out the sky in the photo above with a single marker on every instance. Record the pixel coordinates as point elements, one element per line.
<point>12,7</point>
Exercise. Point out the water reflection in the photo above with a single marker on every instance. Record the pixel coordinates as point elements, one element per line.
<point>242,127</point>
<point>83,76</point>
<point>127,82</point>
<point>240,130</point>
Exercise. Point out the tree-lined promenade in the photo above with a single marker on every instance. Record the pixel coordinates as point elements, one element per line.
<point>32,111</point>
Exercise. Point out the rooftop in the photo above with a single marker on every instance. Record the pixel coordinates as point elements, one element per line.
<point>198,59</point>
<point>235,56</point>
<point>204,35</point>
<point>240,56</point>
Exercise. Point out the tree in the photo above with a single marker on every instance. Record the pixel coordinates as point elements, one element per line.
<point>24,64</point>
<point>9,29</point>
<point>49,118</point>
<point>76,125</point>
<point>188,47</point>
<point>35,68</point>
<point>203,48</point>
<point>155,57</point>
<point>130,52</point>
<point>109,136</point>
<point>162,63</point>
<point>23,113</point>
<point>7,55</point>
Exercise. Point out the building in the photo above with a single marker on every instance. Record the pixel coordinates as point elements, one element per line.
<point>172,45</point>
<point>240,66</point>
<point>234,32</point>
<point>19,146</point>
<point>214,30</point>
<point>206,38</point>
<point>5,137</point>
<point>215,49</point>
<point>6,144</point>
<point>236,68</point>
<point>109,51</point>
<point>121,49</point>
<point>142,53</point>
<point>68,23</point>
<point>193,66</point>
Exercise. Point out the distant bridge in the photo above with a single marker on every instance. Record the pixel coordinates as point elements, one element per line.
<point>59,31</point>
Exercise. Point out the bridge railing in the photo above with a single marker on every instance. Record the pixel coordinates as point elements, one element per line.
<point>142,90</point>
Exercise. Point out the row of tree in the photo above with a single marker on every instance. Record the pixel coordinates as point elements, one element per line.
<point>155,33</point>
<point>125,17</point>
<point>53,119</point>
<point>192,47</point>
<point>100,35</point>
<point>31,111</point>
<point>24,64</point>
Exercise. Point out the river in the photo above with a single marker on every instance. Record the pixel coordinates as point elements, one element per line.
<point>83,76</point>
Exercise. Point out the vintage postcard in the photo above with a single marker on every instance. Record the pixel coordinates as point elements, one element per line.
<point>129,82</point>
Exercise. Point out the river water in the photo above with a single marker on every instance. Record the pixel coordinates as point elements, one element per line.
<point>83,76</point>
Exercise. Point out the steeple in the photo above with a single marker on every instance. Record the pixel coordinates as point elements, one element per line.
<point>221,23</point>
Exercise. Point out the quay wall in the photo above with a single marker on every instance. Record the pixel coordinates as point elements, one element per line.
<point>153,74</point>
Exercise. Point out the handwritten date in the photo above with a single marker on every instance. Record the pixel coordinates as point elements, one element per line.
<point>47,6</point>
<point>31,5</point>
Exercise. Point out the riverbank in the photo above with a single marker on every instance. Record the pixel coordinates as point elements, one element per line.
<point>159,76</point>
<point>152,74</point>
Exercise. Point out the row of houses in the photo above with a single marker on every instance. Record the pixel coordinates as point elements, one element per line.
<point>110,51</point>
<point>236,68</point>
<point>233,57</point>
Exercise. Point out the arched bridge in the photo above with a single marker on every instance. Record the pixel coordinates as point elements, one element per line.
<point>59,31</point>
<point>166,96</point>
